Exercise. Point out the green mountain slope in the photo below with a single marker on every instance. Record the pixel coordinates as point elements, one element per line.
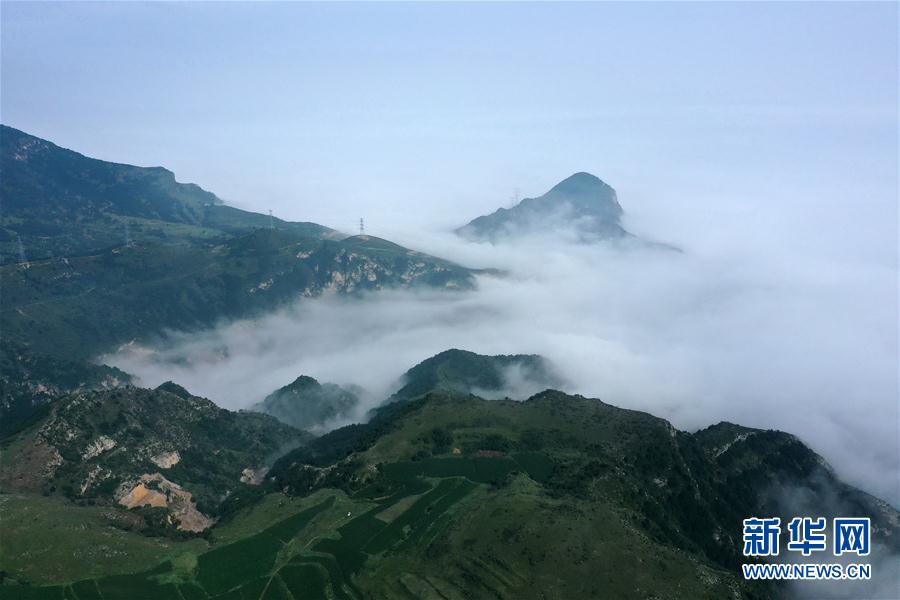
<point>28,383</point>
<point>97,447</point>
<point>558,463</point>
<point>96,254</point>
<point>449,495</point>
<point>90,304</point>
<point>59,203</point>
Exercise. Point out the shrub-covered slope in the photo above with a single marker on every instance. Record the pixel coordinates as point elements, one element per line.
<point>641,503</point>
<point>454,496</point>
<point>98,446</point>
<point>96,254</point>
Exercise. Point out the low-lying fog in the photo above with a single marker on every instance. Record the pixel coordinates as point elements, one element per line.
<point>761,334</point>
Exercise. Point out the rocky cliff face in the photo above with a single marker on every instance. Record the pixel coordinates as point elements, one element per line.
<point>136,447</point>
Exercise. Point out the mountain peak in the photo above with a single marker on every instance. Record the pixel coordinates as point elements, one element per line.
<point>462,372</point>
<point>581,204</point>
<point>580,182</point>
<point>307,404</point>
<point>174,388</point>
<point>302,382</point>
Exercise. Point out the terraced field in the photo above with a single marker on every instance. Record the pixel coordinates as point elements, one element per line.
<point>281,563</point>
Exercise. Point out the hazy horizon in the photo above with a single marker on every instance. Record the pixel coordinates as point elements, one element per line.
<point>419,117</point>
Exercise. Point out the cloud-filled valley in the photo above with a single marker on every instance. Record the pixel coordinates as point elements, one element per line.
<point>721,331</point>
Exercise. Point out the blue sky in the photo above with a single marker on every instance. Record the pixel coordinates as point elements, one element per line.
<point>425,115</point>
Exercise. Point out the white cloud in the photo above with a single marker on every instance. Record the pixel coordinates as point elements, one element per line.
<point>764,338</point>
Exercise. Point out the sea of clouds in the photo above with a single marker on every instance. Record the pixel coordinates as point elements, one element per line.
<point>765,338</point>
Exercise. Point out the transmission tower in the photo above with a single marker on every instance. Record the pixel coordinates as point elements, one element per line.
<point>362,227</point>
<point>22,258</point>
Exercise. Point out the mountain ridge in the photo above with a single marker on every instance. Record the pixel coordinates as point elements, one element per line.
<point>102,446</point>
<point>95,254</point>
<point>555,495</point>
<point>673,488</point>
<point>60,203</point>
